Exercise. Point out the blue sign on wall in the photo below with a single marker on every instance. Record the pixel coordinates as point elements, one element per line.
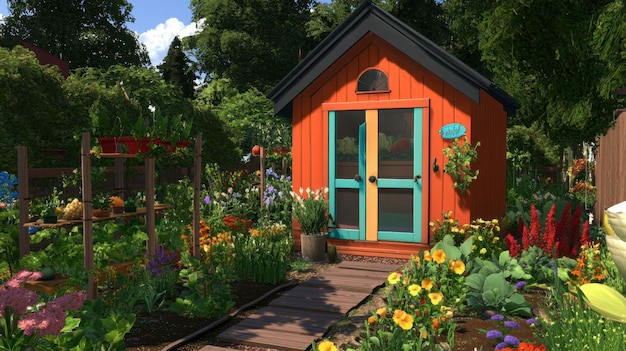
<point>452,131</point>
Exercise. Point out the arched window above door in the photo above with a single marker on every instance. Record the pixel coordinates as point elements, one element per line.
<point>373,81</point>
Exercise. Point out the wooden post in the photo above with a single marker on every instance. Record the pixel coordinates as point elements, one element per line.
<point>151,243</point>
<point>23,198</point>
<point>88,264</point>
<point>197,165</point>
<point>262,169</point>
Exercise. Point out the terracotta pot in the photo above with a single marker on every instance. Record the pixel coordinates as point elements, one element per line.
<point>313,246</point>
<point>117,209</point>
<point>101,213</point>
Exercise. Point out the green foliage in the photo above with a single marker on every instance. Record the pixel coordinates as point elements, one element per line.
<point>100,329</point>
<point>86,34</point>
<point>250,117</point>
<point>206,293</point>
<point>571,325</point>
<point>263,255</point>
<point>529,48</point>
<point>494,292</point>
<point>530,149</point>
<point>460,157</point>
<point>178,69</point>
<point>311,210</point>
<point>255,44</point>
<point>32,108</point>
<point>537,265</point>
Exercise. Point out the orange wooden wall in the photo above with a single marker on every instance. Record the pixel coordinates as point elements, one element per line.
<point>407,80</point>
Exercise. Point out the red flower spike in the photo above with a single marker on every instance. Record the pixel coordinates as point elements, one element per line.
<point>550,232</point>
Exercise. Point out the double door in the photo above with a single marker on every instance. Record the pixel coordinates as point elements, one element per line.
<point>375,174</point>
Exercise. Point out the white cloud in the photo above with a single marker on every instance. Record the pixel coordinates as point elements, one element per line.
<point>158,40</point>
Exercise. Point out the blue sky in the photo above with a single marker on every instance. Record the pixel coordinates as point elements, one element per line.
<point>157,22</point>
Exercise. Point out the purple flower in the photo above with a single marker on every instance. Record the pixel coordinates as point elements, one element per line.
<point>511,325</point>
<point>494,334</point>
<point>207,200</point>
<point>531,322</point>
<point>501,346</point>
<point>497,317</point>
<point>520,285</point>
<point>511,340</point>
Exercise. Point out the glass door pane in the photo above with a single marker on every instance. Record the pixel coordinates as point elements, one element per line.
<point>347,170</point>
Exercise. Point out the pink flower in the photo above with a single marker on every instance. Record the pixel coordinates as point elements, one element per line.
<point>72,301</point>
<point>17,299</point>
<point>48,321</point>
<point>21,277</point>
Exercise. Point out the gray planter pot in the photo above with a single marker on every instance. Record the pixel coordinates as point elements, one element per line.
<point>313,246</point>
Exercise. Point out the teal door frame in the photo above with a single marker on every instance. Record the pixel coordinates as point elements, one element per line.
<point>382,183</point>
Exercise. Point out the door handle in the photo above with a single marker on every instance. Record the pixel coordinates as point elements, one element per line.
<point>358,178</point>
<point>372,179</point>
<point>418,177</point>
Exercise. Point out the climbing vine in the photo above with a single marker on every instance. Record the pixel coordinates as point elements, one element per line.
<point>460,157</point>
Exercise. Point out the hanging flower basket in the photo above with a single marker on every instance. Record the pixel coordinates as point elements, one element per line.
<point>131,145</point>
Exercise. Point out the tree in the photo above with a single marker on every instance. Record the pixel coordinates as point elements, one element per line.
<point>32,107</point>
<point>178,69</point>
<point>86,33</point>
<point>425,16</point>
<point>542,52</point>
<point>253,43</point>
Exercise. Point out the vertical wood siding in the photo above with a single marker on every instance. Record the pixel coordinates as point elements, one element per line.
<point>610,166</point>
<point>407,80</point>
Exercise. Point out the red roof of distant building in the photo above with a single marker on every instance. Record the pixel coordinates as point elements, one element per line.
<point>46,58</point>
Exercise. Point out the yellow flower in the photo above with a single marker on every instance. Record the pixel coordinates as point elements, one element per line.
<point>414,289</point>
<point>403,319</point>
<point>326,345</point>
<point>416,259</point>
<point>439,256</point>
<point>427,256</point>
<point>371,320</point>
<point>393,278</point>
<point>494,221</point>
<point>435,298</point>
<point>457,267</point>
<point>483,251</point>
<point>480,238</point>
<point>382,312</point>
<point>427,283</point>
<point>406,280</point>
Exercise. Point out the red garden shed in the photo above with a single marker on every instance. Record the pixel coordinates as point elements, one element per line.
<point>368,106</point>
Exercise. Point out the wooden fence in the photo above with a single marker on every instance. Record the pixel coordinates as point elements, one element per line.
<point>610,170</point>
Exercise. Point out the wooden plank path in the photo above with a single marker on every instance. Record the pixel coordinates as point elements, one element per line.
<point>294,320</point>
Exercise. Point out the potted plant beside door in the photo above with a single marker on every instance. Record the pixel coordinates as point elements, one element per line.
<point>310,210</point>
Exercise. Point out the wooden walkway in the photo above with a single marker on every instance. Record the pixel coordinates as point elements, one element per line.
<point>301,315</point>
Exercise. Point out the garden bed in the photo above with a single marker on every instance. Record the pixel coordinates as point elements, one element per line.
<point>154,331</point>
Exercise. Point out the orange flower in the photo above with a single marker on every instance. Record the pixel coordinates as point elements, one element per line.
<point>457,267</point>
<point>403,319</point>
<point>371,320</point>
<point>436,324</point>
<point>427,256</point>
<point>427,283</point>
<point>439,256</point>
<point>382,312</point>
<point>435,298</point>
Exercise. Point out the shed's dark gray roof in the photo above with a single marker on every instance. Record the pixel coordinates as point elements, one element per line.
<point>371,18</point>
